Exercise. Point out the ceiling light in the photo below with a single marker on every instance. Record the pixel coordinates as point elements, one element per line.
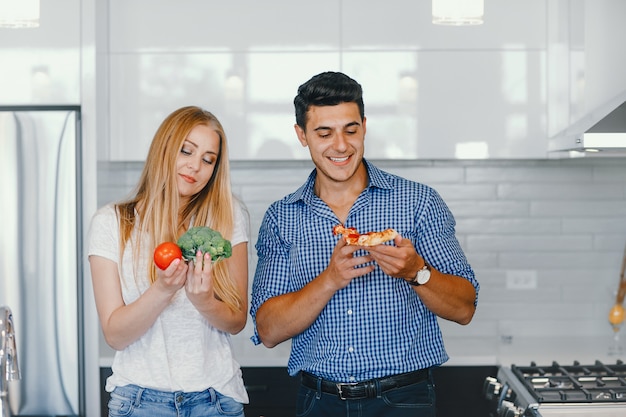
<point>458,12</point>
<point>19,13</point>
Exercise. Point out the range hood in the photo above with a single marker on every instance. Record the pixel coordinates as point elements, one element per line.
<point>602,133</point>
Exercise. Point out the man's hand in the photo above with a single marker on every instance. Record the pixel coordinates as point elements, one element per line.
<point>400,261</point>
<point>344,266</point>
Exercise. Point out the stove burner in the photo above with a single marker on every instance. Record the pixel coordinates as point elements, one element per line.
<point>574,383</point>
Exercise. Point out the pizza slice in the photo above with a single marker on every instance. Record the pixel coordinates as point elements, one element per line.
<point>350,234</point>
<point>352,237</point>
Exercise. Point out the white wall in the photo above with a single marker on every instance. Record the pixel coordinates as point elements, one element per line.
<point>562,221</point>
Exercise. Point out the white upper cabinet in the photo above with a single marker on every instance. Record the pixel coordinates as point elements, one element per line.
<point>149,26</point>
<point>498,90</point>
<point>407,25</point>
<point>42,65</point>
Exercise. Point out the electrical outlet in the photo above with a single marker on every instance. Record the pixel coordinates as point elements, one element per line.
<point>521,280</point>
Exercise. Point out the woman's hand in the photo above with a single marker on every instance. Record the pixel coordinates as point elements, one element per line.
<point>200,290</point>
<point>199,280</point>
<point>172,278</point>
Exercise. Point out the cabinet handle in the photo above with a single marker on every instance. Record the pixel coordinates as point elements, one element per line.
<point>256,388</point>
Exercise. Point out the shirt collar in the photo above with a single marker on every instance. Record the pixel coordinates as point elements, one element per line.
<point>376,178</point>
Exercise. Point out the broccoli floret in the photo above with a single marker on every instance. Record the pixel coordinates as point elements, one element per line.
<point>205,240</point>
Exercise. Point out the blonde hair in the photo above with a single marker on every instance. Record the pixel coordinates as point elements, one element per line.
<point>156,205</point>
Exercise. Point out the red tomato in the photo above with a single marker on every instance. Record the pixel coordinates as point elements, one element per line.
<point>165,253</point>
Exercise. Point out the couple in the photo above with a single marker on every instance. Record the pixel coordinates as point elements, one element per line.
<point>363,321</point>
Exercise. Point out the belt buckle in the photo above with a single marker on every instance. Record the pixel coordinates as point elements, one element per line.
<point>339,388</point>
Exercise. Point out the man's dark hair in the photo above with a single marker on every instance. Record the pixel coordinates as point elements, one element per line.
<point>327,89</point>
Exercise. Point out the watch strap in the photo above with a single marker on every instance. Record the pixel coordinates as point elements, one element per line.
<point>414,281</point>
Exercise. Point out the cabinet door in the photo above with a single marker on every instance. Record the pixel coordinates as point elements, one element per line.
<point>271,390</point>
<point>42,65</point>
<point>494,91</point>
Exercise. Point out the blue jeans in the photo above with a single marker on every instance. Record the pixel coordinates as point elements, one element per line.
<point>135,401</point>
<point>415,400</point>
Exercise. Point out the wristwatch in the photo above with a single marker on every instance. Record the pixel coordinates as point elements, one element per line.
<point>422,277</point>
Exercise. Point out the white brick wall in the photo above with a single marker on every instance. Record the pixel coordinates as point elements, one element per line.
<point>563,220</point>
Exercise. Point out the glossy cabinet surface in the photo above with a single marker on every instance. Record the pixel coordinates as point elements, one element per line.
<point>42,65</point>
<point>498,90</point>
<point>431,92</point>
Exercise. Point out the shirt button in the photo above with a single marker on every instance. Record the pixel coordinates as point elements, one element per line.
<point>350,349</point>
<point>349,311</point>
<point>352,379</point>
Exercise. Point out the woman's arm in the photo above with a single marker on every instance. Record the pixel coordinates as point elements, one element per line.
<point>123,324</point>
<point>200,285</point>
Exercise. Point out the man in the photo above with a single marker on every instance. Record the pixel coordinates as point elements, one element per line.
<point>363,320</point>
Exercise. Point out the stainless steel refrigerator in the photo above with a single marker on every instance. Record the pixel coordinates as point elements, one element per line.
<point>40,256</point>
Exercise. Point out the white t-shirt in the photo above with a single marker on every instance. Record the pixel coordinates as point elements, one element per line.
<point>181,351</point>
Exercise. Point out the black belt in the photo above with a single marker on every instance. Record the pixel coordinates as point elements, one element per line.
<point>364,389</point>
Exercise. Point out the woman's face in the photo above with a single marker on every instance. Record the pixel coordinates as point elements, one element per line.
<point>195,164</point>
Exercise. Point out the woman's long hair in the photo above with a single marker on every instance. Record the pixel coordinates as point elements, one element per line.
<point>156,207</point>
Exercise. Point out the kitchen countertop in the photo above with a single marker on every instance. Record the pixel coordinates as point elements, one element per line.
<point>478,351</point>
<point>468,352</point>
<point>541,350</point>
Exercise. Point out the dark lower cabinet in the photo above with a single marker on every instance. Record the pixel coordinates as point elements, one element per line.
<point>104,396</point>
<point>273,392</point>
<point>459,390</point>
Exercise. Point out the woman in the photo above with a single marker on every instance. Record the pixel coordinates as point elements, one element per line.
<point>171,328</point>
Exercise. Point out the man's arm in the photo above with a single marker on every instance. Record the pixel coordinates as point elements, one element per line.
<point>285,316</point>
<point>448,296</point>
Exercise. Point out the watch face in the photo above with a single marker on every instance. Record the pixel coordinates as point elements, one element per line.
<point>423,276</point>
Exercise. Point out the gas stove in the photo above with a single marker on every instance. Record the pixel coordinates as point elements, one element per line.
<point>558,390</point>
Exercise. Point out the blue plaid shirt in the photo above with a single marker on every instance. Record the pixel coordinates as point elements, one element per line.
<point>377,325</point>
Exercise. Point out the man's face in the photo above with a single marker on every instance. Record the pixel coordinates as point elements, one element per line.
<point>335,137</point>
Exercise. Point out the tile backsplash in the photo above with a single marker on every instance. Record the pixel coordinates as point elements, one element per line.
<point>545,237</point>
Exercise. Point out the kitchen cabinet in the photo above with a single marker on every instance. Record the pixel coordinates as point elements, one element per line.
<point>42,65</point>
<point>273,392</point>
<point>498,90</point>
